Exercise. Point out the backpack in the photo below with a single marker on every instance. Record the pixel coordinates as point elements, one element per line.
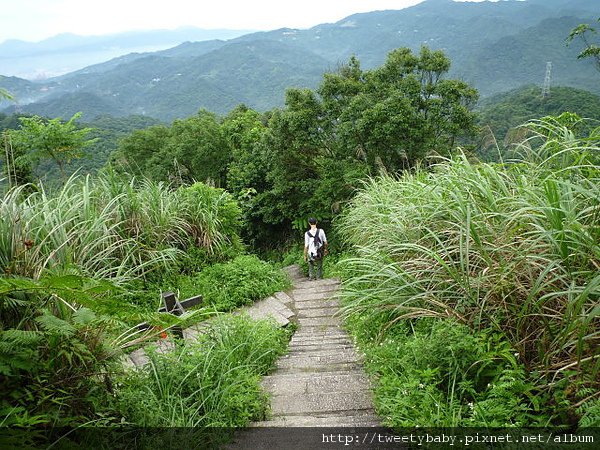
<point>318,244</point>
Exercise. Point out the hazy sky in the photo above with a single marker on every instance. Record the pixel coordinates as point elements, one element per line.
<point>34,20</point>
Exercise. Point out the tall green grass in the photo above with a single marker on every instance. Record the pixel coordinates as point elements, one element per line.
<point>66,260</point>
<point>511,247</point>
<point>211,383</point>
<point>113,229</point>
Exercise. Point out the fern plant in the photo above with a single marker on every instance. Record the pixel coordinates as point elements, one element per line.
<point>54,357</point>
<point>589,408</point>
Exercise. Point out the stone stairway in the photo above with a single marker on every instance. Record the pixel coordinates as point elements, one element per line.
<point>319,385</point>
<point>320,395</point>
<point>320,382</point>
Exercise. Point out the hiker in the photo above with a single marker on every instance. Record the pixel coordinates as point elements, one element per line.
<point>315,247</point>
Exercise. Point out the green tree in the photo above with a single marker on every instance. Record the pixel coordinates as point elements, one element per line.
<point>60,141</point>
<point>401,112</point>
<point>192,149</point>
<point>584,32</point>
<point>198,150</point>
<point>360,123</point>
<point>140,153</point>
<point>243,129</point>
<point>292,146</point>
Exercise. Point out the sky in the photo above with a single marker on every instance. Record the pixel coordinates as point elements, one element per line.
<point>35,20</point>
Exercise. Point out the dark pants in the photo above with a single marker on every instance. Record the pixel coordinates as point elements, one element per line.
<point>315,269</point>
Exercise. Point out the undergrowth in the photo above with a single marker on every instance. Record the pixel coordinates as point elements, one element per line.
<point>508,251</point>
<point>238,282</point>
<point>438,373</point>
<point>213,382</point>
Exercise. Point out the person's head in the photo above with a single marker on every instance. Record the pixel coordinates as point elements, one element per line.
<point>312,221</point>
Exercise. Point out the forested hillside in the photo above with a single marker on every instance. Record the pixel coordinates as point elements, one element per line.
<point>495,46</point>
<point>105,134</point>
<point>503,114</point>
<point>308,157</point>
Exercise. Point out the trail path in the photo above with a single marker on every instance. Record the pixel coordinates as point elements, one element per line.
<point>320,382</point>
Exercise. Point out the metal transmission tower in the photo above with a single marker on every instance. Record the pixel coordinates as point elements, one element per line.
<point>546,86</point>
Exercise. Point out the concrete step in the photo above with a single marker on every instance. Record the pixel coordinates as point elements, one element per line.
<point>270,307</point>
<point>308,338</point>
<point>305,337</point>
<point>317,312</point>
<point>300,297</point>
<point>318,304</point>
<point>318,362</point>
<point>284,298</point>
<point>309,347</point>
<point>320,321</point>
<point>311,350</point>
<point>325,284</point>
<point>336,351</point>
<point>296,349</point>
<point>306,404</point>
<point>360,418</point>
<point>311,383</point>
<point>322,330</point>
<point>316,333</point>
<point>329,368</point>
<point>323,292</point>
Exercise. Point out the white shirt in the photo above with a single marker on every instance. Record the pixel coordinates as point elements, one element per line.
<point>310,241</point>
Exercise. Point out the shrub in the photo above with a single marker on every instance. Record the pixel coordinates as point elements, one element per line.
<point>513,248</point>
<point>241,281</point>
<point>437,373</point>
<point>55,360</point>
<point>213,382</point>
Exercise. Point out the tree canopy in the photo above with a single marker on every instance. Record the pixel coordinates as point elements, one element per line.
<point>359,123</point>
<point>308,157</point>
<point>53,139</point>
<point>584,32</point>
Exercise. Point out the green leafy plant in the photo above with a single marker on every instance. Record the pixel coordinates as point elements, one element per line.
<point>53,139</point>
<point>511,248</point>
<point>55,361</point>
<point>214,382</point>
<point>588,408</point>
<point>239,282</point>
<point>437,373</point>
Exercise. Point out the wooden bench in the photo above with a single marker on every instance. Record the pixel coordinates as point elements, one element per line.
<point>175,307</point>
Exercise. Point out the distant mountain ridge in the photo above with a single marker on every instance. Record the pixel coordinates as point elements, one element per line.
<point>69,51</point>
<point>496,46</point>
